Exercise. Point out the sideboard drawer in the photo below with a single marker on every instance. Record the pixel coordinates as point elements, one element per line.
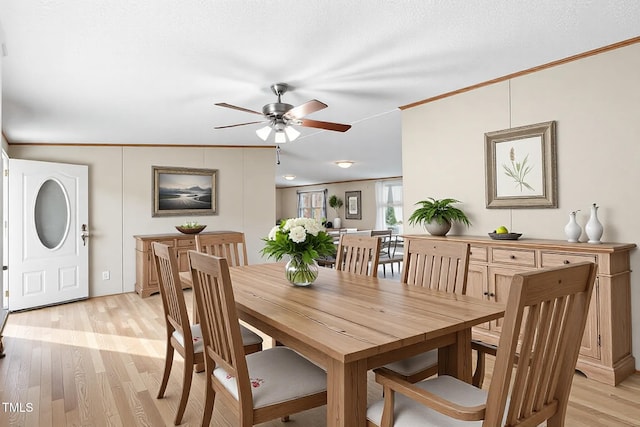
<point>187,243</point>
<point>555,259</point>
<point>478,253</point>
<point>522,257</point>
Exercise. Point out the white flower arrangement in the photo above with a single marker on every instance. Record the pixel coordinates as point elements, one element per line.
<point>304,238</point>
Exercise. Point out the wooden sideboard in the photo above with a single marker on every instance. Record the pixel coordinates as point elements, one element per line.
<point>605,354</point>
<point>146,277</point>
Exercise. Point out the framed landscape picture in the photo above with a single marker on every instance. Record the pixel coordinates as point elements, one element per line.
<point>520,166</point>
<point>184,191</point>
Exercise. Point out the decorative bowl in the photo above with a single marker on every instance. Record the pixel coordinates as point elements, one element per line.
<point>505,236</point>
<point>190,230</point>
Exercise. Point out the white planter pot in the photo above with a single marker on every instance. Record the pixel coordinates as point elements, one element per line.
<point>436,229</point>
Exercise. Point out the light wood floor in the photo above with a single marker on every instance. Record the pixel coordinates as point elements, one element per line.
<point>99,363</point>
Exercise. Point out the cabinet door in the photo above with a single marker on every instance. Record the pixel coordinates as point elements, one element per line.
<point>477,285</point>
<point>499,285</point>
<point>590,340</point>
<point>590,345</point>
<point>183,247</point>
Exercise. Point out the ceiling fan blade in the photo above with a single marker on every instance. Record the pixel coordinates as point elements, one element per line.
<point>305,109</point>
<point>339,127</point>
<point>240,124</point>
<point>234,107</point>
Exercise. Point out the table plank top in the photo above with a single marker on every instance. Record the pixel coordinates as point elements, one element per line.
<point>350,317</point>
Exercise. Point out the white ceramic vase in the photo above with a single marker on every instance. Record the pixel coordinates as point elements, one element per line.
<point>594,228</point>
<point>337,222</point>
<point>573,230</point>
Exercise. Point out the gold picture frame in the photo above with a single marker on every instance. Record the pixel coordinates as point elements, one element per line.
<point>184,191</point>
<point>520,167</point>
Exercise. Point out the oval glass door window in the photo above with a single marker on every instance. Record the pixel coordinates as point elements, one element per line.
<point>51,214</point>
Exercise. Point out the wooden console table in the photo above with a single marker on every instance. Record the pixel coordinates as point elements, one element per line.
<point>605,354</point>
<point>146,278</point>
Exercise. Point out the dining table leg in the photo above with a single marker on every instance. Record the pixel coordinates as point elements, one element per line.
<point>455,359</point>
<point>347,394</point>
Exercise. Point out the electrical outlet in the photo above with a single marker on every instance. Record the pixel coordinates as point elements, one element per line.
<point>106,275</point>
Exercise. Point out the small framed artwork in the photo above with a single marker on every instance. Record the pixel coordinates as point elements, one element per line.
<point>354,210</point>
<point>520,167</point>
<point>184,191</point>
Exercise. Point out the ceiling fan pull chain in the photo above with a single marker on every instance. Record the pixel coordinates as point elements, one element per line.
<point>277,154</point>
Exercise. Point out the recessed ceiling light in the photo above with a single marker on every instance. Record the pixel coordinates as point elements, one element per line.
<point>289,177</point>
<point>345,163</point>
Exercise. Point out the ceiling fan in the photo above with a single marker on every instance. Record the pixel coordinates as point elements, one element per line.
<point>281,117</point>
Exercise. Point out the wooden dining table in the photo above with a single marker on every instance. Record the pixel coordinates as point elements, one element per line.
<point>349,324</point>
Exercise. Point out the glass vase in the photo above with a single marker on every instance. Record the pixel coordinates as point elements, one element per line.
<point>301,273</point>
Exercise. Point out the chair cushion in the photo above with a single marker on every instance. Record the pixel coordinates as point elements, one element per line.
<point>277,375</point>
<point>249,337</point>
<point>415,364</point>
<point>409,413</point>
<point>196,335</point>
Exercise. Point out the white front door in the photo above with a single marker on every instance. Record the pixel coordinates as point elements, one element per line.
<point>48,230</point>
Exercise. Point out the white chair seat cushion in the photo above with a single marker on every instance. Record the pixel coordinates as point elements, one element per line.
<point>414,364</point>
<point>249,337</point>
<point>277,375</point>
<point>196,335</point>
<point>409,413</point>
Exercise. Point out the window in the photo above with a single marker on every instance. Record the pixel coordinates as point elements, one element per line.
<point>312,204</point>
<point>389,205</point>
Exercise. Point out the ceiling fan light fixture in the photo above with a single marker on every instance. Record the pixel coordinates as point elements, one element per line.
<point>280,137</point>
<point>292,133</point>
<point>289,177</point>
<point>344,164</point>
<point>263,133</point>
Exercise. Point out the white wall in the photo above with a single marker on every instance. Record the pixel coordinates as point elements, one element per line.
<point>120,201</point>
<point>595,102</point>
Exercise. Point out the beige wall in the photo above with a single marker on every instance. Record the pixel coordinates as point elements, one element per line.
<point>595,102</point>
<point>287,202</point>
<point>120,186</point>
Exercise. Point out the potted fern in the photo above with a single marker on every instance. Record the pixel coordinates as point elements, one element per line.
<point>438,215</point>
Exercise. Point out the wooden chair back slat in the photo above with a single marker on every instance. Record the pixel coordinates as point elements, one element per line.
<point>231,246</point>
<point>547,310</point>
<point>437,265</point>
<point>358,254</point>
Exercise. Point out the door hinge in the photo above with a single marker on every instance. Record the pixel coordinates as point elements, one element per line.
<point>6,293</point>
<point>6,172</point>
<point>599,341</point>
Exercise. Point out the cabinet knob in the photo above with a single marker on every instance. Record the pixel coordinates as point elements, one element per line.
<point>485,293</point>
<point>512,257</point>
<point>566,261</point>
<point>492,294</point>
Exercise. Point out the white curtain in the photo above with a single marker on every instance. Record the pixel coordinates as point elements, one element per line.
<point>381,205</point>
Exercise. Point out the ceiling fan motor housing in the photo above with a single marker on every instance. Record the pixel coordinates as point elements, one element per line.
<point>276,109</point>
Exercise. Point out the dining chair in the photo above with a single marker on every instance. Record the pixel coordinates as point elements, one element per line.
<point>262,386</point>
<point>388,250</point>
<point>437,265</point>
<point>358,254</point>
<point>231,246</point>
<point>545,317</point>
<point>181,336</point>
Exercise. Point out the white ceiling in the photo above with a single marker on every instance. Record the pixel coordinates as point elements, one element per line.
<point>150,71</point>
